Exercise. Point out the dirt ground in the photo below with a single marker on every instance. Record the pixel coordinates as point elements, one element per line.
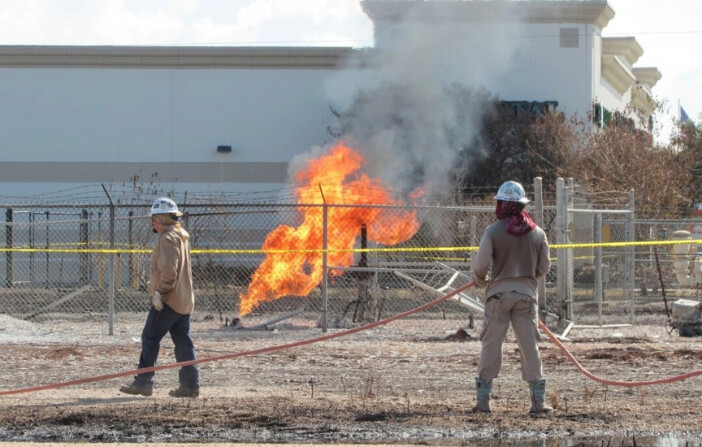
<point>410,382</point>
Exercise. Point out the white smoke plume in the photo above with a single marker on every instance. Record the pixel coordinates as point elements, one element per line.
<point>416,99</point>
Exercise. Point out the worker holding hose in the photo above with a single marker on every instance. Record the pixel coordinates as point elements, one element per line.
<point>171,291</point>
<point>512,257</point>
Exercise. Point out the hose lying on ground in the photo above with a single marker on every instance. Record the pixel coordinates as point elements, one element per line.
<point>242,353</point>
<point>613,382</point>
<point>342,334</point>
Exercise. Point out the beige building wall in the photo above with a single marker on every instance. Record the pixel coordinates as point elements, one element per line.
<point>74,115</point>
<point>117,115</point>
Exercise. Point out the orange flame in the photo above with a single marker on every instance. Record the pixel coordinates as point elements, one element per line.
<point>294,264</point>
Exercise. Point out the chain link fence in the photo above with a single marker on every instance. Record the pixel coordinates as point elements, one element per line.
<point>335,265</point>
<point>666,273</point>
<point>92,263</point>
<point>596,267</point>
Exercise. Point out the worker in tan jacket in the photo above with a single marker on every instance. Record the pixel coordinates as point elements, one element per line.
<point>512,257</point>
<point>171,291</point>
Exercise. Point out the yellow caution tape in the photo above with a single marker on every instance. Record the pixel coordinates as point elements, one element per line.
<point>332,250</point>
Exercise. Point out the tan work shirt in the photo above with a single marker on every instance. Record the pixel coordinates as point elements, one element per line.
<point>514,263</point>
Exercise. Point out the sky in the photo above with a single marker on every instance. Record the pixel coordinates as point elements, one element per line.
<point>669,32</point>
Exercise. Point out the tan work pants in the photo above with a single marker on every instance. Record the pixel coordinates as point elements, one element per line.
<point>521,311</point>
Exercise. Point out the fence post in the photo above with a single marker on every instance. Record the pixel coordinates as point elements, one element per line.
<point>100,255</point>
<point>325,245</point>
<point>48,257</point>
<point>598,264</point>
<point>631,253</point>
<point>113,257</point>
<point>84,261</point>
<point>539,216</point>
<point>569,205</point>
<point>560,264</point>
<point>32,262</point>
<point>8,244</point>
<point>132,266</point>
<point>562,281</point>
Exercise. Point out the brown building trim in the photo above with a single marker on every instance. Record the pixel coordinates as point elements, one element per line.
<point>172,57</point>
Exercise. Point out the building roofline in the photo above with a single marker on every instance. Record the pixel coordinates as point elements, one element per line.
<point>626,46</point>
<point>595,12</point>
<point>647,75</point>
<point>617,73</point>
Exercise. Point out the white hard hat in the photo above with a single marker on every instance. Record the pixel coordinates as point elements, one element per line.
<point>511,192</point>
<point>164,205</point>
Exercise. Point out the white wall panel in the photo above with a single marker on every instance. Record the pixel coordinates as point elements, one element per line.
<point>160,115</point>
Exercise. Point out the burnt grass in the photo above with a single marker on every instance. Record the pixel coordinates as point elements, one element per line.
<point>401,384</point>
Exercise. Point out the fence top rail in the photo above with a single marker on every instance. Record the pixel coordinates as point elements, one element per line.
<point>225,205</point>
<point>691,220</point>
<point>579,210</point>
<point>184,207</point>
<point>44,223</point>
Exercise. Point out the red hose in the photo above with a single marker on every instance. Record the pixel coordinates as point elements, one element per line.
<point>613,382</point>
<point>243,353</point>
<point>337,335</point>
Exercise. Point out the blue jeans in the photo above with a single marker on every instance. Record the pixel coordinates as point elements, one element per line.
<point>158,324</point>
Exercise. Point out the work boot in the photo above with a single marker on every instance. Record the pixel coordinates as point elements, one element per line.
<point>137,389</point>
<point>184,392</point>
<point>482,389</point>
<point>538,393</point>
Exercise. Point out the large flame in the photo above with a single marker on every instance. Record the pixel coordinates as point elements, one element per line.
<point>293,263</point>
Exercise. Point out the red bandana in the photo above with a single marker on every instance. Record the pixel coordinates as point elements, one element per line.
<point>517,220</point>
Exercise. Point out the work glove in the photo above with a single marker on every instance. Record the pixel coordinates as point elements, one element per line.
<point>156,301</point>
<point>481,283</point>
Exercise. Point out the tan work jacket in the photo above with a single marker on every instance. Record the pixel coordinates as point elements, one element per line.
<point>171,273</point>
